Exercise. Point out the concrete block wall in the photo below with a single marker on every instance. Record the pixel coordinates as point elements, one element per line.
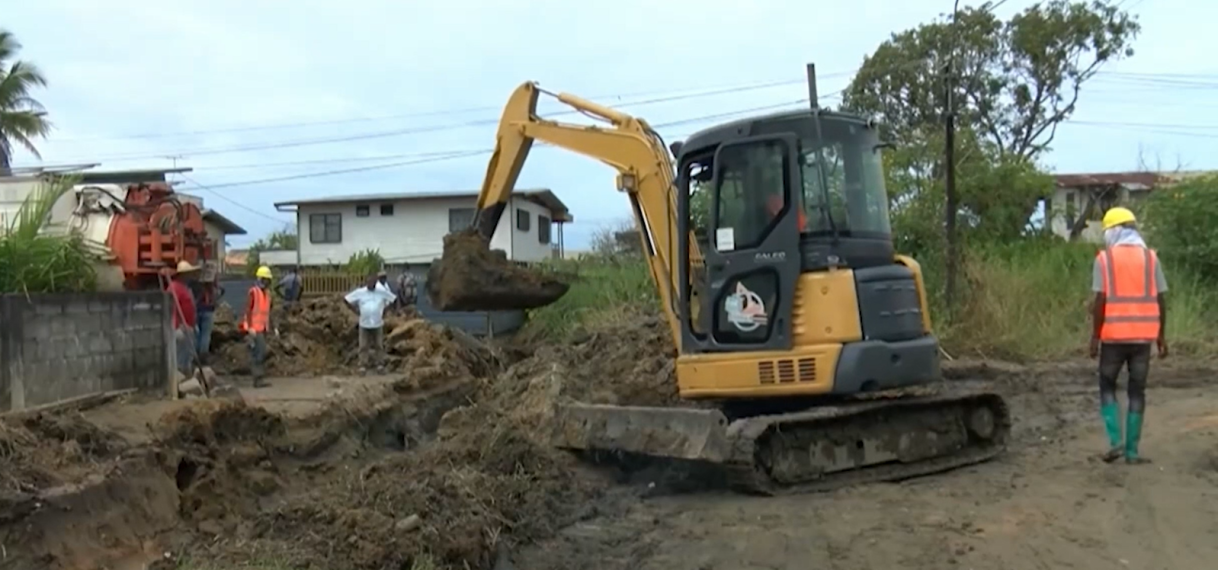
<point>59,346</point>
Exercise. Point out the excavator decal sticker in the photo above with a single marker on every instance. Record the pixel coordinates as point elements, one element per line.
<point>745,310</point>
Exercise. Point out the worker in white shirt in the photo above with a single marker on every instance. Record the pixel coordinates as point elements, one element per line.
<point>369,303</point>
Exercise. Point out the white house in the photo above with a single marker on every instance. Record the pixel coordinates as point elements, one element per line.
<point>410,227</point>
<point>1080,200</point>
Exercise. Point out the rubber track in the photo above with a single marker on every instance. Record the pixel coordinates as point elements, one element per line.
<point>753,480</point>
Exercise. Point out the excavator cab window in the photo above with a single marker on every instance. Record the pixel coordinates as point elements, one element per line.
<point>851,187</point>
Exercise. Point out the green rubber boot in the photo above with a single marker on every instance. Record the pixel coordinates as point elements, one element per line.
<point>1133,435</point>
<point>1111,413</point>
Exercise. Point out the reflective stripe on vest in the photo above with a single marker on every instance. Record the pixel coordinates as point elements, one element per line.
<point>1131,303</point>
<point>258,318</point>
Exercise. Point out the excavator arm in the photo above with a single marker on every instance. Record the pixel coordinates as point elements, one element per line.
<point>628,144</point>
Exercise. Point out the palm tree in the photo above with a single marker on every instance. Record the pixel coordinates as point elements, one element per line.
<point>22,118</point>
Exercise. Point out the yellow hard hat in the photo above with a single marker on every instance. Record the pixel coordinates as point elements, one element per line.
<point>263,272</point>
<point>1117,216</point>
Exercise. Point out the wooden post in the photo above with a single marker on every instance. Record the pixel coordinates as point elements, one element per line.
<point>171,345</point>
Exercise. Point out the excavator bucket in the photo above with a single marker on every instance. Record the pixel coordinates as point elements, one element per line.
<point>470,276</point>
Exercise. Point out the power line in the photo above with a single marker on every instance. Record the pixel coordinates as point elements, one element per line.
<point>414,130</point>
<point>469,153</point>
<point>400,156</point>
<point>430,128</point>
<point>418,114</point>
<point>230,200</point>
<point>1144,125</point>
<point>351,170</point>
<point>1118,127</point>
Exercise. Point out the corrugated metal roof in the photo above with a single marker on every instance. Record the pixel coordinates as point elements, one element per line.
<point>1143,179</point>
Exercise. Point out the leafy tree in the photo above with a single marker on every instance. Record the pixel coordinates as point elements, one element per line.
<point>1014,81</point>
<point>993,188</point>
<point>22,118</point>
<point>364,263</point>
<point>284,239</point>
<point>1179,220</point>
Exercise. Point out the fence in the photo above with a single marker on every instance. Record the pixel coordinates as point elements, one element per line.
<point>476,323</point>
<point>58,347</point>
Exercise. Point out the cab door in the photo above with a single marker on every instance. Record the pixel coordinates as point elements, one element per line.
<point>753,262</point>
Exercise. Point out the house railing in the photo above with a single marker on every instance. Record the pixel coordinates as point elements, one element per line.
<point>321,283</point>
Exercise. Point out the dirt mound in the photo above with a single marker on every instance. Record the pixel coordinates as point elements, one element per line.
<point>630,361</point>
<point>450,504</point>
<point>470,276</point>
<point>316,336</point>
<point>48,450</point>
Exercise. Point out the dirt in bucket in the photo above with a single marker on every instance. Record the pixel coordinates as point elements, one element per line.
<point>470,276</point>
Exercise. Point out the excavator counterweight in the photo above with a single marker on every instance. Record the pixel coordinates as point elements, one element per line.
<point>794,317</point>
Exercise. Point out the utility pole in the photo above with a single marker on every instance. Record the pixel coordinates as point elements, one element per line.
<point>951,204</point>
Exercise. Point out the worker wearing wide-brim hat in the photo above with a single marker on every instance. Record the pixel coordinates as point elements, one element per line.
<point>1128,316</point>
<point>185,315</point>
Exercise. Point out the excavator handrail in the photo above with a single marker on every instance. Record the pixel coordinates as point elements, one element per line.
<point>628,144</point>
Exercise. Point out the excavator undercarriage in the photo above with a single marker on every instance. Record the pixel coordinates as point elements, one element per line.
<point>878,438</point>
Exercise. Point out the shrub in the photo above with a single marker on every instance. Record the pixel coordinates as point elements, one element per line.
<point>34,259</point>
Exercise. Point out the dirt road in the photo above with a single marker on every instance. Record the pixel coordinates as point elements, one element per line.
<point>1046,504</point>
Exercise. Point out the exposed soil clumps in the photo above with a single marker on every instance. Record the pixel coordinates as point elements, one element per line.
<point>47,450</point>
<point>316,336</point>
<point>470,276</point>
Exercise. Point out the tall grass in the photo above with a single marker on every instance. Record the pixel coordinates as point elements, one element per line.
<point>1032,301</point>
<point>1026,301</point>
<point>34,260</point>
<point>603,286</point>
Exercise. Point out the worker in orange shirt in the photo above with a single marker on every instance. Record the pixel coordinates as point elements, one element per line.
<point>257,322</point>
<point>774,206</point>
<point>1128,316</point>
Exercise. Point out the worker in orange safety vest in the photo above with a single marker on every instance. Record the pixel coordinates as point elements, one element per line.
<point>257,322</point>
<point>1128,316</point>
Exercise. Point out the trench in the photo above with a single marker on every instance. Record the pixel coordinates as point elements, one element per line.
<point>143,504</point>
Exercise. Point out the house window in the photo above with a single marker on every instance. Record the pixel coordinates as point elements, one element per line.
<point>386,209</point>
<point>460,218</point>
<point>543,230</point>
<point>522,220</point>
<point>1071,209</point>
<point>362,211</point>
<point>325,228</point>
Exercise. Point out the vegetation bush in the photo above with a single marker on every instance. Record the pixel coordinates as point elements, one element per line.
<point>1023,301</point>
<point>1181,221</point>
<point>35,259</point>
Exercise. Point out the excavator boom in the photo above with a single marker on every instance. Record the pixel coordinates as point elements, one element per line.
<point>469,281</point>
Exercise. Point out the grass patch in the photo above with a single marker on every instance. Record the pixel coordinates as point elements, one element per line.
<point>604,288</point>
<point>1024,301</point>
<point>1031,301</point>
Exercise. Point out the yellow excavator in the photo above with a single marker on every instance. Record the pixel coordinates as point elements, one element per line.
<point>791,311</point>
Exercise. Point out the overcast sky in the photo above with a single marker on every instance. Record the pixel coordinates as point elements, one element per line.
<point>250,91</point>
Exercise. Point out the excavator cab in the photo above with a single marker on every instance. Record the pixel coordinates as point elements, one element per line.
<point>796,260</point>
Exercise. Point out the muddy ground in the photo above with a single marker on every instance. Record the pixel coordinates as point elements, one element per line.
<point>1046,504</point>
<point>440,464</point>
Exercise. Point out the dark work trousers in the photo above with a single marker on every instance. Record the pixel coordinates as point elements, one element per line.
<point>1136,358</point>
